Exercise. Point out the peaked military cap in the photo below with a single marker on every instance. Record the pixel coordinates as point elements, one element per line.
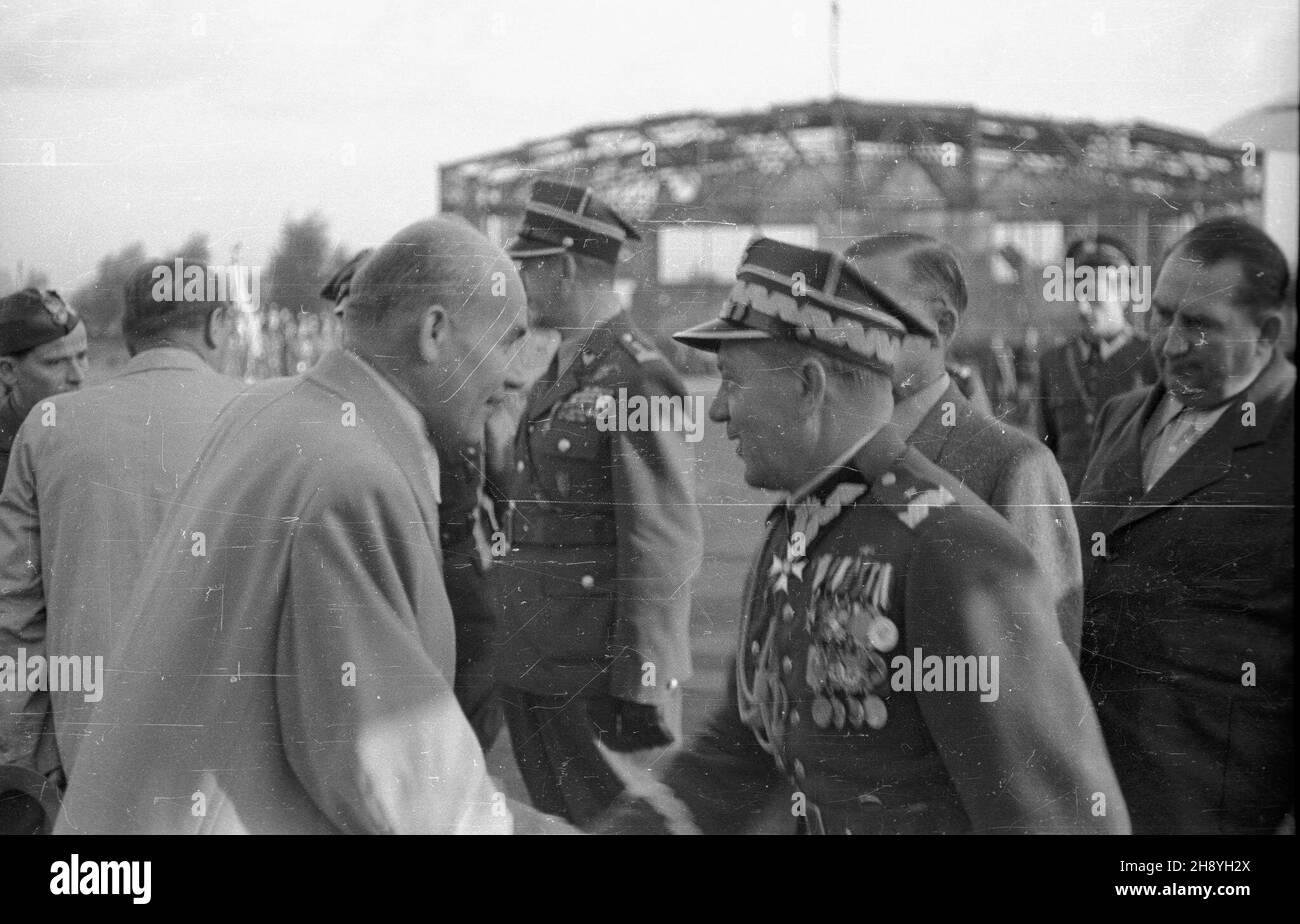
<point>340,284</point>
<point>812,296</point>
<point>34,317</point>
<point>561,217</point>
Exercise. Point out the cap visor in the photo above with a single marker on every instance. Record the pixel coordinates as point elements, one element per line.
<point>709,335</point>
<point>521,248</point>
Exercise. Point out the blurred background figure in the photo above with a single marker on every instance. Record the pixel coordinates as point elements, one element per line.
<point>42,353</point>
<point>1104,359</point>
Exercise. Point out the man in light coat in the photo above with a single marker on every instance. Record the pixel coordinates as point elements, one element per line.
<point>288,666</point>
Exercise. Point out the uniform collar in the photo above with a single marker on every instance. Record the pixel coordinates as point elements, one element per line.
<point>1106,348</point>
<point>831,475</point>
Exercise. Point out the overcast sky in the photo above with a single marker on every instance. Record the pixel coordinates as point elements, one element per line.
<point>165,118</point>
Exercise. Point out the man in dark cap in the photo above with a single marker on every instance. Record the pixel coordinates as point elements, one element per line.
<point>606,536</point>
<point>899,666</point>
<point>42,353</point>
<point>91,478</point>
<point>340,284</point>
<point>1106,358</point>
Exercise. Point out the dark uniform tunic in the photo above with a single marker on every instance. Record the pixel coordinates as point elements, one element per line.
<point>1074,390</point>
<point>897,556</point>
<point>595,591</point>
<point>465,517</point>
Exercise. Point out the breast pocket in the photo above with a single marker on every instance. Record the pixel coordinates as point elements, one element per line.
<point>572,462</point>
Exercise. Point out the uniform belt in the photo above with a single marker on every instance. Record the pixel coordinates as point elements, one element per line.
<point>534,527</point>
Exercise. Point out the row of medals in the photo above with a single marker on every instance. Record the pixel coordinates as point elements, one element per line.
<point>849,636</point>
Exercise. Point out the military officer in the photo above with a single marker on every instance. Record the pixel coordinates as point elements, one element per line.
<point>1106,358</point>
<point>606,536</point>
<point>898,666</point>
<point>42,353</point>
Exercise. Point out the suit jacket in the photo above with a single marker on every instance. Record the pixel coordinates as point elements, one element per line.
<point>606,535</point>
<point>1189,603</point>
<point>288,663</point>
<point>93,472</point>
<point>1073,393</point>
<point>901,561</point>
<point>1016,476</point>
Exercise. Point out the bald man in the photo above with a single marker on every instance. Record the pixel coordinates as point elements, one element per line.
<point>289,666</point>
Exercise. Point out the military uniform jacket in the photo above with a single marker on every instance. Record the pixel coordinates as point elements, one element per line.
<point>605,533</point>
<point>1074,392</point>
<point>1189,612</point>
<point>899,560</point>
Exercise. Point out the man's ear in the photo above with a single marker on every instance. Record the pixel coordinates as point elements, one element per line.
<point>8,371</point>
<point>435,327</point>
<point>947,321</point>
<point>214,331</point>
<point>1270,328</point>
<point>811,378</point>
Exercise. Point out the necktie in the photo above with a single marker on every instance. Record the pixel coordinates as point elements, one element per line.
<point>1174,439</point>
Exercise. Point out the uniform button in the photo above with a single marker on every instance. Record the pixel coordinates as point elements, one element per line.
<point>794,717</point>
<point>519,466</point>
<point>888,478</point>
<point>786,665</point>
<point>563,445</point>
<point>798,770</point>
<point>673,684</point>
<point>588,582</point>
<point>753,647</point>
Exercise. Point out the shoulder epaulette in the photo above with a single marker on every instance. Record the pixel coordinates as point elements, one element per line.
<point>909,496</point>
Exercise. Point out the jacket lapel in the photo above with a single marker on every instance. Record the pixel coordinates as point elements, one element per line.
<point>931,438</point>
<point>1209,459</point>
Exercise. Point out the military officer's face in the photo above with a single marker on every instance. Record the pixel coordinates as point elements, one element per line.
<point>49,369</point>
<point>1104,315</point>
<point>1209,348</point>
<point>754,401</point>
<point>543,281</point>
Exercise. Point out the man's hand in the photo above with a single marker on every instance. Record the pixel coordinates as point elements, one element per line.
<point>627,726</point>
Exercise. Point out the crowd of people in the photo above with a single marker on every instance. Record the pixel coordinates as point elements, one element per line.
<point>312,604</point>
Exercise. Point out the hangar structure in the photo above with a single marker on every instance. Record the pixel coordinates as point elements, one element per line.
<point>1010,191</point>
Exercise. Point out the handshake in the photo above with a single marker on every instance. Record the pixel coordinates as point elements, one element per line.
<point>622,725</point>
